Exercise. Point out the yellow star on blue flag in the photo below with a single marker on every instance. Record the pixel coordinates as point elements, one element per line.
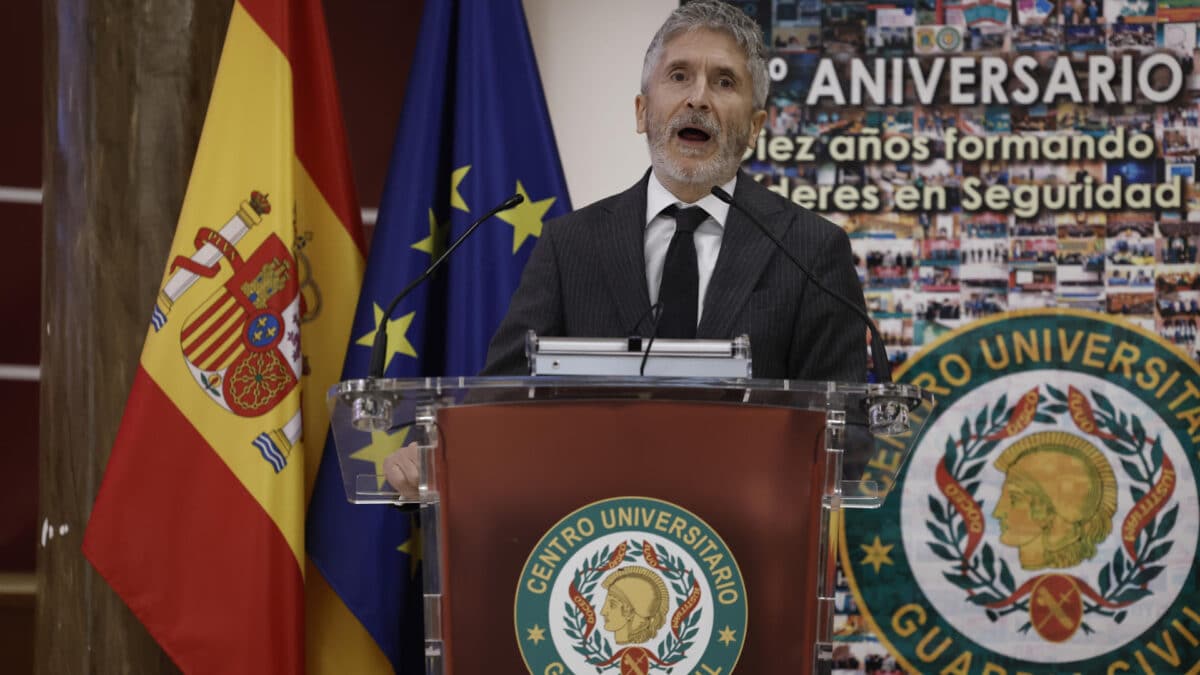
<point>456,179</point>
<point>526,218</point>
<point>397,336</point>
<point>435,243</point>
<point>382,445</point>
<point>413,547</point>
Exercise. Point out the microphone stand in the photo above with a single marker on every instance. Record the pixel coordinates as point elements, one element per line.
<point>882,367</point>
<point>379,346</point>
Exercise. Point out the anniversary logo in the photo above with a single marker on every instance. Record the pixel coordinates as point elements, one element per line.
<point>631,585</point>
<point>1046,514</point>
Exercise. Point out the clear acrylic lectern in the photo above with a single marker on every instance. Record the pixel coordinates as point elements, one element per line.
<point>769,464</point>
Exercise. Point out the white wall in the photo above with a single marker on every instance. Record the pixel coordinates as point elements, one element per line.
<point>590,54</point>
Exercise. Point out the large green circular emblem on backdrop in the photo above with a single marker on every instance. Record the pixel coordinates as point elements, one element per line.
<point>1046,519</point>
<point>634,585</point>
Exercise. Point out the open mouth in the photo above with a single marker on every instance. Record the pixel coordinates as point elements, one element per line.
<point>693,134</point>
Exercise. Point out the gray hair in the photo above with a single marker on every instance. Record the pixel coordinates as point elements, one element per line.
<point>719,16</point>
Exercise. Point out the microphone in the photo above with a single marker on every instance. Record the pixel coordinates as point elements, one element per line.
<point>653,334</point>
<point>379,347</point>
<point>634,339</point>
<point>883,369</point>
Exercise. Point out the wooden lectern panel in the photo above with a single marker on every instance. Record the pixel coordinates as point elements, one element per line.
<point>509,472</point>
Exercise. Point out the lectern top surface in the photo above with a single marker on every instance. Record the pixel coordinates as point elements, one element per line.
<point>869,427</point>
<point>816,391</point>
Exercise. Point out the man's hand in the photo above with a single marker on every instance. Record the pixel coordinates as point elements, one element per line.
<point>402,469</point>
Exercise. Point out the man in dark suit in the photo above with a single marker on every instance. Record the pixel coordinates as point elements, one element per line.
<point>596,272</point>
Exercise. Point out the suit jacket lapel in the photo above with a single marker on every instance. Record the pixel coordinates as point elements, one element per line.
<point>744,255</point>
<point>620,244</point>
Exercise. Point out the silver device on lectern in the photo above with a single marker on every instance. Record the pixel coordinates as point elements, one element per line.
<point>663,357</point>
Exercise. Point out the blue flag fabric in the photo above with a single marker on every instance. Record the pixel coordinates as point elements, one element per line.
<point>474,130</point>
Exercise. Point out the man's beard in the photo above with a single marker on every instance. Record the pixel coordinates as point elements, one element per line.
<point>715,170</point>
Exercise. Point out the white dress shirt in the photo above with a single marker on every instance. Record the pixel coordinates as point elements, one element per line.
<point>660,229</point>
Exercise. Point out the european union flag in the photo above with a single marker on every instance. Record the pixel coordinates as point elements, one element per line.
<point>473,131</point>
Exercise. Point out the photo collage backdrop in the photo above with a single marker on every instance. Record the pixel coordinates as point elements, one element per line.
<point>1031,259</point>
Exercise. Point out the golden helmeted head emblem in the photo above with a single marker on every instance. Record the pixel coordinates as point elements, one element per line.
<point>1058,499</point>
<point>636,606</point>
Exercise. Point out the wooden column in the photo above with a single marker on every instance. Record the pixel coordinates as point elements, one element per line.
<point>126,86</point>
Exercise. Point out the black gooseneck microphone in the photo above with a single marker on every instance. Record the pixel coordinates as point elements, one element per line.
<point>637,327</point>
<point>654,313</point>
<point>883,369</point>
<point>653,334</point>
<point>379,347</point>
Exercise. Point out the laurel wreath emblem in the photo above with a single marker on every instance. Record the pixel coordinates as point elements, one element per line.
<point>579,618</point>
<point>956,523</point>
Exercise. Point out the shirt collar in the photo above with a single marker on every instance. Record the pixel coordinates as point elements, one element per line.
<point>659,197</point>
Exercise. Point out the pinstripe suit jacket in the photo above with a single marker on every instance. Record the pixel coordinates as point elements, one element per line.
<point>587,278</point>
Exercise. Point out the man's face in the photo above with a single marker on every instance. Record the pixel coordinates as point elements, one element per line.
<point>698,110</point>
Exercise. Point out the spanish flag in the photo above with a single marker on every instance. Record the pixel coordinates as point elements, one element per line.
<point>199,523</point>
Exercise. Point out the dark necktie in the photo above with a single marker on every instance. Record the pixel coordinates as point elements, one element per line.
<point>680,289</point>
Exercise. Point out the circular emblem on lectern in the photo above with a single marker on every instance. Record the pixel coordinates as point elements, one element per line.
<point>1045,521</point>
<point>631,585</point>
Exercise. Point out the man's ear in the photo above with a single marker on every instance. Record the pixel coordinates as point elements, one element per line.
<point>639,110</point>
<point>756,124</point>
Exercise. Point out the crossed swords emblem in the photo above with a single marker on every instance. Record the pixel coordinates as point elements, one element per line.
<point>633,665</point>
<point>1055,606</point>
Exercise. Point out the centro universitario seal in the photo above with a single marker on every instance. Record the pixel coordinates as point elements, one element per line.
<point>631,585</point>
<point>1046,520</point>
